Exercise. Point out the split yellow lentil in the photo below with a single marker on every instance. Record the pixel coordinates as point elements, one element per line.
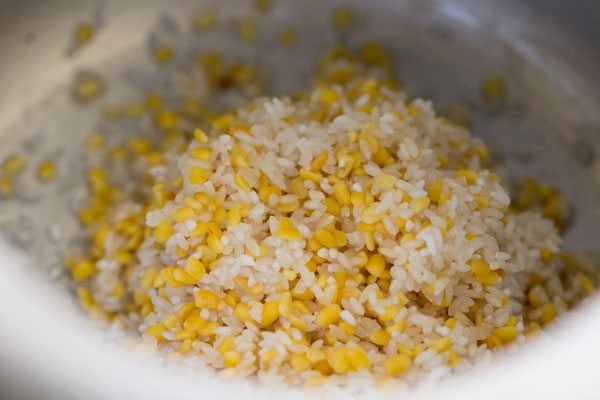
<point>343,17</point>
<point>205,20</point>
<point>84,33</point>
<point>247,30</point>
<point>13,164</point>
<point>46,171</point>
<point>492,88</point>
<point>87,87</point>
<point>263,6</point>
<point>163,53</point>
<point>288,37</point>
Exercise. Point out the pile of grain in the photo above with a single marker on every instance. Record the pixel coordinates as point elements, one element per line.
<point>347,230</point>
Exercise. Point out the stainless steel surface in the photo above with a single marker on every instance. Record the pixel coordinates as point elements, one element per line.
<point>547,51</point>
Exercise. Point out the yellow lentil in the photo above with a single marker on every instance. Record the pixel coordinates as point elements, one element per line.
<point>492,88</point>
<point>288,37</point>
<point>13,164</point>
<point>46,171</point>
<point>329,315</point>
<point>397,364</point>
<point>206,299</point>
<point>84,33</point>
<point>205,20</point>
<point>231,359</point>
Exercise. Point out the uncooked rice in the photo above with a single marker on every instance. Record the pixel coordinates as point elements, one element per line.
<point>345,232</point>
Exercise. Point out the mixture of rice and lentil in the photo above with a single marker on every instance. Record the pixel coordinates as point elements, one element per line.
<point>345,229</point>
